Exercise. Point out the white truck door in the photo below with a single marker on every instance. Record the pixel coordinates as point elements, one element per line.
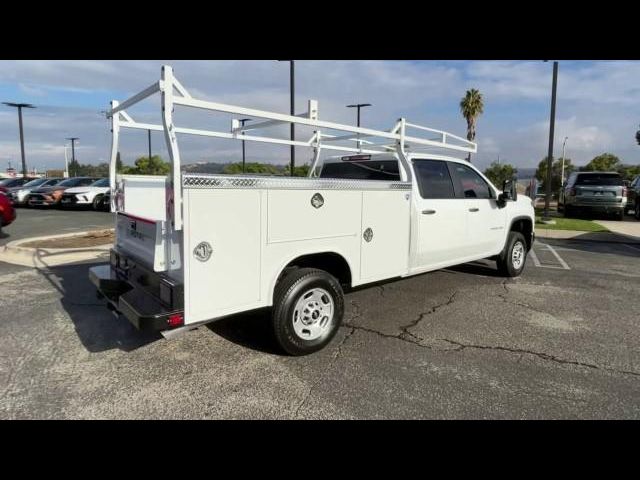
<point>385,234</point>
<point>485,221</point>
<point>441,219</point>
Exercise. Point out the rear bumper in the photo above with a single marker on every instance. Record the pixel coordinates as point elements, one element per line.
<point>598,207</point>
<point>141,308</point>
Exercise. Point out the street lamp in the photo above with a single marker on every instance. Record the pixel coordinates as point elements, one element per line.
<point>242,122</point>
<point>20,106</point>
<point>292,92</point>
<point>73,151</point>
<point>552,121</point>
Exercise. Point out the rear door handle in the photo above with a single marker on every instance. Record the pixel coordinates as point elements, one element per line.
<point>428,212</point>
<point>474,210</point>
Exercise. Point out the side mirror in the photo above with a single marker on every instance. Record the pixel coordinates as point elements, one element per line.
<point>509,192</point>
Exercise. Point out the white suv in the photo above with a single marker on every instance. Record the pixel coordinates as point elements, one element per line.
<point>90,195</point>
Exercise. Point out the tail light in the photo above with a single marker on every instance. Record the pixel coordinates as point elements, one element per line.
<point>175,320</point>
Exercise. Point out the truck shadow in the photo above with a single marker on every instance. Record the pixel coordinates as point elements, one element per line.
<point>97,328</point>
<point>249,329</point>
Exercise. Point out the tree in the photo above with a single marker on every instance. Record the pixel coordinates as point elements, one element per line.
<point>251,167</point>
<point>119,165</point>
<point>602,163</point>
<point>556,173</point>
<point>628,172</point>
<point>148,166</point>
<point>298,171</point>
<point>74,168</point>
<point>471,107</point>
<point>638,137</point>
<point>499,172</point>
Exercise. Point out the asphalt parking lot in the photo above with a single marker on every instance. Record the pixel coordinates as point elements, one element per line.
<point>34,222</point>
<point>561,341</point>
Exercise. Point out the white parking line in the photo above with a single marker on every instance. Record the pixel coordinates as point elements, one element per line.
<point>534,257</point>
<point>536,260</point>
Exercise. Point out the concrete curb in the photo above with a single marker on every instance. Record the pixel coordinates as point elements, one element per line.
<point>14,253</point>
<point>573,235</point>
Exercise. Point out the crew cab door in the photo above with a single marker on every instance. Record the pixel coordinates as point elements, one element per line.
<point>485,234</point>
<point>439,219</point>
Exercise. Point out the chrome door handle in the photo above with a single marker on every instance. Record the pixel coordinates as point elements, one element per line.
<point>474,210</point>
<point>428,212</point>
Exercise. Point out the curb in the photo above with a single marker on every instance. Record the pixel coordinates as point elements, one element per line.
<point>14,253</point>
<point>580,236</point>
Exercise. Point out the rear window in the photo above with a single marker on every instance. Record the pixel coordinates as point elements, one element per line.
<point>599,179</point>
<point>371,170</point>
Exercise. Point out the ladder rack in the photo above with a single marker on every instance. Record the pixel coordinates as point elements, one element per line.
<point>173,93</point>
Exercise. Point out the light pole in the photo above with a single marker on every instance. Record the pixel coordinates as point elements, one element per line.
<point>552,121</point>
<point>562,174</point>
<point>73,151</point>
<point>66,163</point>
<point>358,106</point>
<point>292,109</point>
<point>242,122</point>
<point>149,137</point>
<point>20,106</point>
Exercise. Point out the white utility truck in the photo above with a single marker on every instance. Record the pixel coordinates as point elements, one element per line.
<point>193,248</point>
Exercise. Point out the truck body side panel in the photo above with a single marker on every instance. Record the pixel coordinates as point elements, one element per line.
<point>385,247</point>
<point>228,222</point>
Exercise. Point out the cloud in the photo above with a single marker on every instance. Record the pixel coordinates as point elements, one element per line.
<point>597,104</point>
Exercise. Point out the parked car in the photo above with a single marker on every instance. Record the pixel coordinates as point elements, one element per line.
<point>86,196</point>
<point>633,197</point>
<point>602,192</point>
<point>20,195</point>
<point>51,196</point>
<point>7,212</point>
<point>7,183</point>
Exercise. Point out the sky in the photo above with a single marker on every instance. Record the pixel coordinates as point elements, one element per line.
<point>597,105</point>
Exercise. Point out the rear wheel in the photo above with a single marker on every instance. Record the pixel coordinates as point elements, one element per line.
<point>513,257</point>
<point>307,310</point>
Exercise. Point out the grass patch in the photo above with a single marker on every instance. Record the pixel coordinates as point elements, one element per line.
<point>576,224</point>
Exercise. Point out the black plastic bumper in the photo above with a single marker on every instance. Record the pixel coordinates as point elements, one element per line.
<point>142,309</point>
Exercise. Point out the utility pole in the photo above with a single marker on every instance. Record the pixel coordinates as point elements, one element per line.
<point>552,121</point>
<point>20,106</point>
<point>242,122</point>
<point>73,152</point>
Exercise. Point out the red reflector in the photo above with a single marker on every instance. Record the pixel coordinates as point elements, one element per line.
<point>175,320</point>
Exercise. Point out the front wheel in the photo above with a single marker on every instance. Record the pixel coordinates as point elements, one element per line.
<point>97,203</point>
<point>512,259</point>
<point>307,310</point>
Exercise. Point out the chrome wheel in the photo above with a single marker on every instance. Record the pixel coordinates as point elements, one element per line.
<point>517,255</point>
<point>313,314</point>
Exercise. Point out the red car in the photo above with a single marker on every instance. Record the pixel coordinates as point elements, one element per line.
<point>7,212</point>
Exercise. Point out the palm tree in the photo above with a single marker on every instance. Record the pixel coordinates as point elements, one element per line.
<point>471,107</point>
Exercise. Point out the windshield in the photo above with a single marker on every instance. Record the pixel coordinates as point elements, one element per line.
<point>36,182</point>
<point>103,182</point>
<point>608,179</point>
<point>369,170</point>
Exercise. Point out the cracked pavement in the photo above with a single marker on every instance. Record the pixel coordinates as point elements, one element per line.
<point>457,343</point>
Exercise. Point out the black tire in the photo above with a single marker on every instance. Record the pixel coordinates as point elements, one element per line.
<point>637,212</point>
<point>568,211</point>
<point>289,290</point>
<point>619,215</point>
<point>505,262</point>
<point>97,202</point>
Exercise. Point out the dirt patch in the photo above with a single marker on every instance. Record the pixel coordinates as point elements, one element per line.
<point>91,239</point>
